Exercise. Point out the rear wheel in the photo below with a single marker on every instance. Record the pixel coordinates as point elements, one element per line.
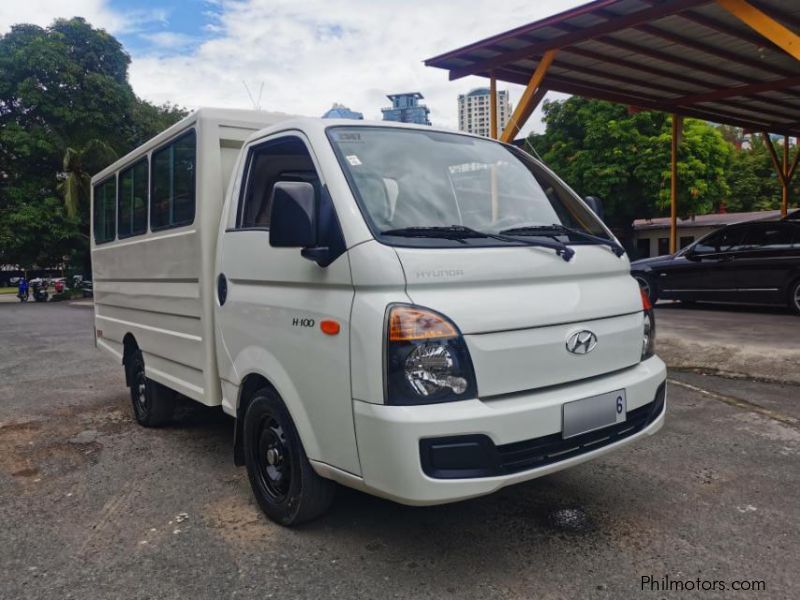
<point>153,403</point>
<point>283,481</point>
<point>794,297</point>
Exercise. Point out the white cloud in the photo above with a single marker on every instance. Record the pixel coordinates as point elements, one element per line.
<point>97,12</point>
<point>169,39</point>
<point>307,53</point>
<point>312,53</point>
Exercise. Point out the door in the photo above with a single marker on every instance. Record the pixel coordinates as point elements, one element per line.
<point>764,262</point>
<point>275,300</point>
<point>704,271</point>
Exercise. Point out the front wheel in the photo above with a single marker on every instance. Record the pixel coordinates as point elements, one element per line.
<point>794,297</point>
<point>283,481</point>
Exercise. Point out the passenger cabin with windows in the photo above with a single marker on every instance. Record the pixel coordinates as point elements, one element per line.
<point>154,212</point>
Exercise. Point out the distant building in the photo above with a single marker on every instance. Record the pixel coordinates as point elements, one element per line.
<point>406,109</point>
<point>340,111</point>
<point>474,111</point>
<point>652,235</point>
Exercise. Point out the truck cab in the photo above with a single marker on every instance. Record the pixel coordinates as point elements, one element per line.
<point>424,315</point>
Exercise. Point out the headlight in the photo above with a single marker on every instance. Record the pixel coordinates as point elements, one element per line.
<point>649,332</point>
<point>426,359</point>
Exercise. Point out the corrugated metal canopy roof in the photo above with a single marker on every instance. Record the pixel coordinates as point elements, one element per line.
<point>690,57</point>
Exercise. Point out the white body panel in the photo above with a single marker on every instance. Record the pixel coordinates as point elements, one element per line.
<point>158,286</point>
<point>515,306</point>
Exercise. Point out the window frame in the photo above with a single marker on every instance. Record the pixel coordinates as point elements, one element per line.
<point>739,229</point>
<point>153,228</point>
<point>252,150</point>
<point>753,230</point>
<point>100,184</point>
<point>144,159</point>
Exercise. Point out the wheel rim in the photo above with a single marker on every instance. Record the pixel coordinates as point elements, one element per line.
<point>141,401</point>
<point>797,297</point>
<point>273,460</point>
<point>644,285</point>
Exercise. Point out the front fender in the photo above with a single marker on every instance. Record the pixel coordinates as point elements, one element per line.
<point>255,360</point>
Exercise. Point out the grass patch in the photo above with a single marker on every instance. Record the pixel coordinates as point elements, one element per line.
<point>8,290</point>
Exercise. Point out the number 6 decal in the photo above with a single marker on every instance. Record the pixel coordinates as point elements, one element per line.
<point>619,405</point>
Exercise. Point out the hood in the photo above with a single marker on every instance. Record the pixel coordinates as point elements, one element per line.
<point>518,307</point>
<point>496,289</point>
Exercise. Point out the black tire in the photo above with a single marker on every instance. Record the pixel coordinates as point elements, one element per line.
<point>646,284</point>
<point>284,483</point>
<point>794,297</point>
<point>153,404</point>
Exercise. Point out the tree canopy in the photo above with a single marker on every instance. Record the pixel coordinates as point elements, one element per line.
<point>603,149</point>
<point>64,92</point>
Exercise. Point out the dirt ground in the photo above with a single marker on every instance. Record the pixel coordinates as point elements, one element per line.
<point>93,506</point>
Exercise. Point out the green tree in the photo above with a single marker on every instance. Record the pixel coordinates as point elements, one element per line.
<point>75,187</point>
<point>601,149</point>
<point>62,87</point>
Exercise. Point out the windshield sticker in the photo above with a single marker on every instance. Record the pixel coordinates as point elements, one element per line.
<point>348,137</point>
<point>353,160</point>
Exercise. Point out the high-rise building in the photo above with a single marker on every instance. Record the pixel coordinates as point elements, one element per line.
<point>406,108</point>
<point>340,111</point>
<point>474,111</point>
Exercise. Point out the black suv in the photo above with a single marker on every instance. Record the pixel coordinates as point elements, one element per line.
<point>754,263</point>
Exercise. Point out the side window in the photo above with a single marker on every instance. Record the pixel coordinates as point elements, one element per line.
<point>105,210</point>
<point>723,240</point>
<point>282,159</point>
<point>768,236</point>
<point>132,205</point>
<point>172,186</point>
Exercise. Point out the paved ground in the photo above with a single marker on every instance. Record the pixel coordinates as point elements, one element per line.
<point>756,342</point>
<point>92,506</point>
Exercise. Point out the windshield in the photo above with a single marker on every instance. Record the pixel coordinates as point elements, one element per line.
<point>407,179</point>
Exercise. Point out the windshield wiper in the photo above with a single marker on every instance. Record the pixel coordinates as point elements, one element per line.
<point>555,229</point>
<point>449,232</point>
<point>461,232</point>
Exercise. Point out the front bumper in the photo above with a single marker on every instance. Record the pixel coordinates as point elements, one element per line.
<point>389,437</point>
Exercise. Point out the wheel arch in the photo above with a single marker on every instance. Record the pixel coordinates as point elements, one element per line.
<point>251,383</point>
<point>129,347</point>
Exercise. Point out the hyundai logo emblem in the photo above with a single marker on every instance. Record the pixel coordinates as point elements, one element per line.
<point>582,342</point>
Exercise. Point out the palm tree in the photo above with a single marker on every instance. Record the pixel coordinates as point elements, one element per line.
<point>76,179</point>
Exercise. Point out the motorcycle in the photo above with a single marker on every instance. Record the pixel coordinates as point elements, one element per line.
<point>39,292</point>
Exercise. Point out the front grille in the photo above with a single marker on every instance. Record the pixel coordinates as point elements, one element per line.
<point>469,456</point>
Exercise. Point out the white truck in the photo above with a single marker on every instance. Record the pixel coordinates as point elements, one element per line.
<point>420,314</point>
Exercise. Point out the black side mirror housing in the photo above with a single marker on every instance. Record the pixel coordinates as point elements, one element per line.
<point>293,215</point>
<point>596,205</point>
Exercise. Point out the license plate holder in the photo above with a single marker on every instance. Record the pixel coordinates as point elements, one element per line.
<point>593,413</point>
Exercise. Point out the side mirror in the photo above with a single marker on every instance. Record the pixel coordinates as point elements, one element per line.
<point>293,221</point>
<point>690,254</point>
<point>596,205</point>
<point>293,215</point>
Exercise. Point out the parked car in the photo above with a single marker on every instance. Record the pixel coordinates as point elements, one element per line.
<point>754,263</point>
<point>86,288</point>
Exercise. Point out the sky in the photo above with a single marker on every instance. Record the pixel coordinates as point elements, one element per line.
<point>307,54</point>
